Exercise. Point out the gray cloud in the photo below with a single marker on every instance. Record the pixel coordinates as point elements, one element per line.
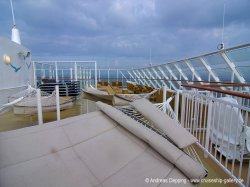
<point>124,31</point>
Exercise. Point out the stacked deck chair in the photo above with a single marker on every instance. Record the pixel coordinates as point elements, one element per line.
<point>125,99</point>
<point>103,148</point>
<point>110,95</point>
<point>91,91</point>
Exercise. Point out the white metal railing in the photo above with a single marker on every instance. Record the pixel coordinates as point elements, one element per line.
<point>221,126</point>
<point>83,71</point>
<point>228,65</point>
<point>78,71</point>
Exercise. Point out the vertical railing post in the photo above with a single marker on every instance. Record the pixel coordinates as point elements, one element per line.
<point>82,78</point>
<point>117,76</point>
<point>43,71</point>
<point>176,104</point>
<point>34,74</point>
<point>71,74</point>
<point>183,109</point>
<point>95,75</point>
<point>50,72</point>
<point>62,75</point>
<point>75,71</point>
<point>164,94</point>
<point>232,77</point>
<point>209,120</point>
<point>164,98</point>
<point>56,71</point>
<point>108,75</point>
<point>232,80</point>
<point>53,73</point>
<point>90,82</point>
<point>39,107</point>
<point>58,115</point>
<point>87,77</point>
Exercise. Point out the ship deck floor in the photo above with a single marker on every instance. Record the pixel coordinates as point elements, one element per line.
<point>10,121</point>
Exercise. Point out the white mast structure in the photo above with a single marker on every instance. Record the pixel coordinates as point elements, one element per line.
<point>222,45</point>
<point>223,26</point>
<point>15,35</point>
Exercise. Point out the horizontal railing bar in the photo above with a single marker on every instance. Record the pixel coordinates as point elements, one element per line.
<point>180,80</point>
<point>71,61</point>
<point>246,96</point>
<point>225,84</point>
<point>204,55</point>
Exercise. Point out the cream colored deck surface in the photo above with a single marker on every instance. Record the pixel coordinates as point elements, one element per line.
<point>87,150</point>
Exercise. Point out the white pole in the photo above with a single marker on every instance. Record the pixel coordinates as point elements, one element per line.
<point>56,71</point>
<point>71,74</point>
<point>44,73</point>
<point>75,71</point>
<point>108,75</point>
<point>13,16</point>
<point>87,77</point>
<point>95,75</point>
<point>80,76</point>
<point>58,115</point>
<point>50,72</point>
<point>39,107</point>
<point>90,80</point>
<point>209,120</point>
<point>34,74</point>
<point>83,79</point>
<point>15,35</point>
<point>164,96</point>
<point>176,104</point>
<point>62,75</point>
<point>117,76</point>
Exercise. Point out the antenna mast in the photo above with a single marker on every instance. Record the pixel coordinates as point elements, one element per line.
<point>223,25</point>
<point>13,15</point>
<point>222,45</point>
<point>150,63</point>
<point>15,35</point>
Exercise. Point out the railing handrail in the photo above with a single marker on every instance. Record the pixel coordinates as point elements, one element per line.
<point>63,61</point>
<point>199,56</point>
<point>208,88</point>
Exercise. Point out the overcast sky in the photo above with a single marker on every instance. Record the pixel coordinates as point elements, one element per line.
<point>123,32</point>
